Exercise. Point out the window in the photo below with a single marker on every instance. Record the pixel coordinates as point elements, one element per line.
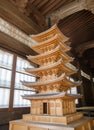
<point>19,89</point>
<point>73,91</point>
<point>11,73</point>
<point>6,60</point>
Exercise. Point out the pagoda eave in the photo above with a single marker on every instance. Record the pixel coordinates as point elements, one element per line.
<point>48,34</point>
<point>41,73</point>
<point>58,95</point>
<point>66,58</point>
<point>56,53</point>
<point>62,81</point>
<point>51,44</point>
<point>59,65</point>
<point>45,55</point>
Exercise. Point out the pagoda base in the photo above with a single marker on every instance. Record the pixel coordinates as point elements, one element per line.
<point>53,119</point>
<point>82,124</point>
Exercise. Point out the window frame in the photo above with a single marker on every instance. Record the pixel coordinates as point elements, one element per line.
<point>12,85</point>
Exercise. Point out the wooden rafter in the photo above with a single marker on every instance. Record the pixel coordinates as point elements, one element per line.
<point>37,14</point>
<point>61,3</point>
<point>10,13</point>
<point>42,3</point>
<point>51,6</point>
<point>36,2</point>
<point>48,6</point>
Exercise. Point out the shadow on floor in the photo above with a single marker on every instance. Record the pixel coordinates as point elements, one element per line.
<point>4,127</point>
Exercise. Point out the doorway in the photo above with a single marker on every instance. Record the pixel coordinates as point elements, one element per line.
<point>45,108</point>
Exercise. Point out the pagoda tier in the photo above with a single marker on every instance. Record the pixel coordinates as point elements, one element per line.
<point>55,101</point>
<point>55,84</point>
<point>50,57</point>
<point>56,68</point>
<point>55,96</point>
<point>50,44</point>
<point>49,34</point>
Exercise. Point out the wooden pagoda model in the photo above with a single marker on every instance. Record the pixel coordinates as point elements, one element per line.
<point>52,107</point>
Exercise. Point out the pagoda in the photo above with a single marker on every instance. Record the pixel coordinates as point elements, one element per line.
<point>52,108</point>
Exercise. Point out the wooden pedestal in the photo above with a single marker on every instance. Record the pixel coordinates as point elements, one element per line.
<point>53,119</point>
<point>82,124</point>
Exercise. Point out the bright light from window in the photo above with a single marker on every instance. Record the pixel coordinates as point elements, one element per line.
<point>20,90</point>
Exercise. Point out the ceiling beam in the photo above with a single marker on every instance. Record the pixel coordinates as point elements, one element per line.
<point>32,1</point>
<point>60,4</point>
<point>36,2</point>
<point>49,6</point>
<point>41,4</point>
<point>14,45</point>
<point>31,9</point>
<point>10,13</point>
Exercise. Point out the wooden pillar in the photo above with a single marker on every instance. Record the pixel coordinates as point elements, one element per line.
<point>92,87</point>
<point>68,107</point>
<point>64,107</point>
<point>74,105</point>
<point>64,104</point>
<point>71,106</point>
<point>12,82</point>
<point>81,89</point>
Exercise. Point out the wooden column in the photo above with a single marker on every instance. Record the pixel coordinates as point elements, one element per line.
<point>92,87</point>
<point>64,104</point>
<point>83,103</point>
<point>69,107</point>
<point>74,106</point>
<point>12,82</point>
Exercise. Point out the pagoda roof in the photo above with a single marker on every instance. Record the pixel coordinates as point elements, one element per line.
<point>51,43</point>
<point>48,34</point>
<point>62,80</point>
<point>38,59</point>
<point>60,65</point>
<point>52,95</point>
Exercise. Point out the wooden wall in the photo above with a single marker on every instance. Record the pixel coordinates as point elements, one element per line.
<point>89,100</point>
<point>6,116</point>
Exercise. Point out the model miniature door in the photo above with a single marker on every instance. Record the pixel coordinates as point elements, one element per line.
<point>45,108</point>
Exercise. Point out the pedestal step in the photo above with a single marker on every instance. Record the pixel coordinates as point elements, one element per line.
<point>82,124</point>
<point>53,119</point>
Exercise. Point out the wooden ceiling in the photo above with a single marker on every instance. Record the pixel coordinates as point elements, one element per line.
<point>79,27</point>
<point>48,6</point>
<point>39,9</point>
<point>43,6</point>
